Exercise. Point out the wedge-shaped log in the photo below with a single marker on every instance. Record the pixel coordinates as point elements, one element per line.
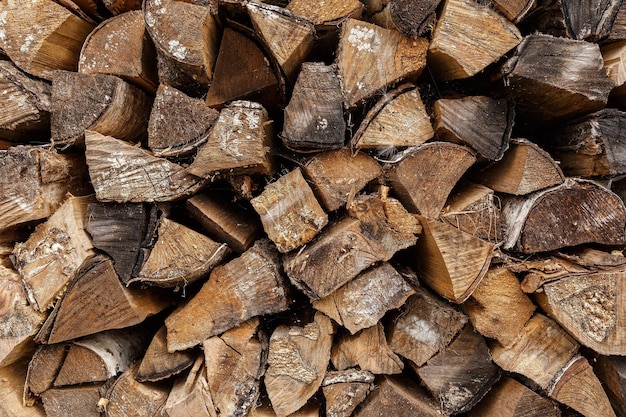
<point>424,177</point>
<point>121,46</point>
<point>297,361</point>
<point>611,370</point>
<point>123,173</point>
<point>128,397</point>
<point>248,286</point>
<point>408,17</point>
<point>43,369</point>
<point>157,363</point>
<point>190,394</point>
<point>12,379</point>
<point>371,58</point>
<point>345,390</point>
<point>74,401</point>
<point>537,222</point>
<point>333,11</point>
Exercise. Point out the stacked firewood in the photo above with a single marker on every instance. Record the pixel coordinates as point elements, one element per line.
<point>312,208</point>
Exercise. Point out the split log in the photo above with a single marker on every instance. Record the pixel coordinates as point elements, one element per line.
<point>297,361</point>
<point>75,401</point>
<point>345,390</point>
<point>8,239</point>
<point>371,58</point>
<point>120,6</point>
<point>374,231</point>
<point>368,349</point>
<point>362,302</point>
<point>121,172</point>
<point>178,124</point>
<point>265,410</point>
<point>102,103</point>
<point>614,55</point>
<point>248,286</point>
<point>460,50</point>
<point>43,369</point>
<point>121,46</point>
<point>536,223</point>
<point>408,17</point>
<point>238,143</point>
<point>328,13</point>
<point>611,370</point>
<point>524,168</point>
<point>41,36</point>
<point>618,28</point>
<point>314,116</point>
<point>26,105</point>
<point>85,9</point>
<point>589,20</point>
<point>398,119</point>
<point>12,379</point>
<point>424,177</point>
<point>515,10</point>
<point>128,397</point>
<point>425,326</point>
<point>289,211</point>
<point>190,394</point>
<point>157,363</point>
<point>51,257</point>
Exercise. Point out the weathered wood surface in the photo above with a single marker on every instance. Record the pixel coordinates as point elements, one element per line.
<point>328,13</point>
<point>12,379</point>
<point>344,391</point>
<point>157,363</point>
<point>408,17</point>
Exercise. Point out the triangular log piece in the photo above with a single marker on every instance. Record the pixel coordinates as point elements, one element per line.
<point>451,262</point>
<point>460,49</point>
<point>242,71</point>
<point>524,168</point>
<point>225,221</point>
<point>592,146</point>
<point>297,361</point>
<point>235,362</point>
<point>41,36</point>
<point>498,308</point>
<point>538,223</point>
<point>362,302</point>
<point>289,211</point>
<point>328,13</point>
<point>398,397</point>
<point>574,83</point>
<point>74,401</point>
<point>579,388</point>
<point>19,321</point>
<point>515,10</point>
<point>611,370</point>
<point>12,379</point>
<point>157,363</point>
<point>368,349</point>
<point>482,123</point>
<point>424,177</point>
<point>43,369</point>
<point>120,6</point>
<point>371,58</point>
<point>186,37</point>
<point>509,398</point>
<point>248,286</point>
<point>238,143</point>
<point>112,305</point>
<point>50,258</point>
<point>121,46</point>
<point>178,124</point>
<point>128,397</point>
<point>406,16</point>
<point>425,326</point>
<point>25,105</point>
<point>314,116</point>
<point>103,103</point>
<point>398,119</point>
<point>123,173</point>
<point>345,390</point>
<point>374,231</point>
<point>541,351</point>
<point>190,394</point>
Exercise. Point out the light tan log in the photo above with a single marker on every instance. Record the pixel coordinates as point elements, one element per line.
<point>327,13</point>
<point>157,363</point>
<point>190,394</point>
<point>611,372</point>
<point>345,390</point>
<point>12,379</point>
<point>128,397</point>
<point>43,369</point>
<point>120,6</point>
<point>73,401</point>
<point>514,10</point>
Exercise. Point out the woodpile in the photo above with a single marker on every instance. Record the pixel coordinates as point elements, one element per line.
<point>312,208</point>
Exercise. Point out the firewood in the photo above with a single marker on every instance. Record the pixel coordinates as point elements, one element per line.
<point>26,104</point>
<point>425,326</point>
<point>410,18</point>
<point>190,394</point>
<point>398,119</point>
<point>611,370</point>
<point>314,116</point>
<point>540,353</point>
<point>374,231</point>
<point>424,177</point>
<point>535,224</point>
<point>614,55</point>
<point>290,213</point>
<point>480,122</point>
<point>41,36</point>
<point>128,397</point>
<point>19,321</point>
<point>362,302</point>
<point>157,363</point>
<point>85,9</point>
<point>618,28</point>
<point>368,349</point>
<point>498,308</point>
<point>297,361</point>
<point>248,286</point>
<point>524,168</point>
<point>238,143</point>
<point>514,10</point>
<point>43,369</point>
<point>75,401</point>
<point>121,46</point>
<point>327,13</point>
<point>8,239</point>
<point>121,6</point>
<point>460,50</point>
<point>312,409</point>
<point>371,58</point>
<point>565,89</point>
<point>345,390</point>
<point>186,37</point>
<point>590,20</point>
<point>103,103</point>
<point>52,255</point>
<point>12,379</point>
<point>509,398</point>
<point>121,172</point>
<point>225,221</point>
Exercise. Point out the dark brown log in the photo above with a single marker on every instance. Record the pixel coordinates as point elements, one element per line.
<point>611,370</point>
<point>157,363</point>
<point>345,390</point>
<point>76,401</point>
<point>614,55</point>
<point>128,397</point>
<point>514,10</point>
<point>12,379</point>
<point>408,17</point>
<point>43,369</point>
<point>618,28</point>
<point>190,394</point>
